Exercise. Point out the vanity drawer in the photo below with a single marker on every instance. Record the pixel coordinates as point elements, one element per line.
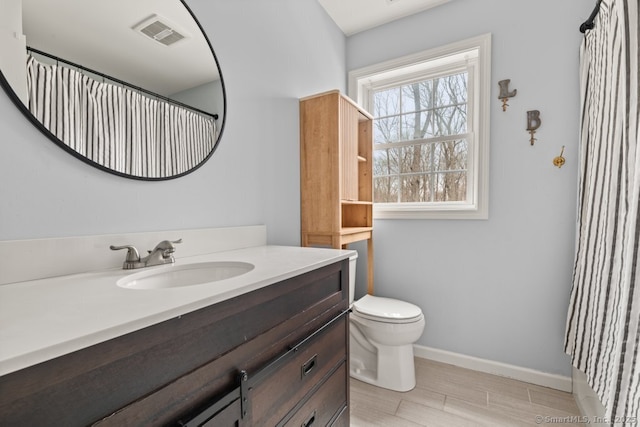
<point>275,390</point>
<point>327,406</point>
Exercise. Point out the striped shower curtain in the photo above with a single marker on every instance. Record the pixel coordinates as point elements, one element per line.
<point>603,323</point>
<point>116,127</point>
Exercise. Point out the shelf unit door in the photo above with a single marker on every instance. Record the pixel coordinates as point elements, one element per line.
<point>320,167</point>
<point>348,150</point>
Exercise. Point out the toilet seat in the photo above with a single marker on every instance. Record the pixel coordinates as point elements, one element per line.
<point>387,310</point>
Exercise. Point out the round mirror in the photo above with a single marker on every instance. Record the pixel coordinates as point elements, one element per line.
<point>133,88</point>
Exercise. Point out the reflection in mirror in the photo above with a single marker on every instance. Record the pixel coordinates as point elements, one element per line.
<point>134,90</point>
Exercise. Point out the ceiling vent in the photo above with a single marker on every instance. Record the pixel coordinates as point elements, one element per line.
<point>160,29</point>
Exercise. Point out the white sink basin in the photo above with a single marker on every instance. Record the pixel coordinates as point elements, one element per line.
<point>176,276</point>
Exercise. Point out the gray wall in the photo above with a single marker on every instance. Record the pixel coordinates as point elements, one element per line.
<point>496,289</point>
<point>271,53</point>
<point>200,97</point>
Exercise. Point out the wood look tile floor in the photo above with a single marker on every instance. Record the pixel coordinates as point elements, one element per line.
<point>450,396</point>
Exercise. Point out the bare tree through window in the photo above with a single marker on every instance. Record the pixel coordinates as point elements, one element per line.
<point>420,144</point>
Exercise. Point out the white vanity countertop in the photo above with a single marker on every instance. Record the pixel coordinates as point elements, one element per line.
<point>47,318</point>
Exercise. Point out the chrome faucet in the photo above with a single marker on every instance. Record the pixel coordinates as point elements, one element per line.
<point>161,254</point>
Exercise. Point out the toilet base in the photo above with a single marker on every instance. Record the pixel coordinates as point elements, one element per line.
<point>393,367</point>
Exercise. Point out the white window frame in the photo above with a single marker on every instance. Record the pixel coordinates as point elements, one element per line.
<point>363,81</point>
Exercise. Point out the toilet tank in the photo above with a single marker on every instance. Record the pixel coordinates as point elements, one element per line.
<point>352,276</point>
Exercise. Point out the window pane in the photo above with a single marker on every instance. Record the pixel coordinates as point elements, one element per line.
<point>385,162</point>
<point>416,158</point>
<point>450,155</point>
<point>416,126</point>
<point>417,96</point>
<point>430,171</point>
<point>450,90</point>
<point>385,189</point>
<point>450,187</point>
<point>450,120</point>
<point>386,130</point>
<point>416,188</point>
<point>386,102</point>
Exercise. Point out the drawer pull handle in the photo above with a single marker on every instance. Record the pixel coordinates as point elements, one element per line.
<point>308,366</point>
<point>309,421</point>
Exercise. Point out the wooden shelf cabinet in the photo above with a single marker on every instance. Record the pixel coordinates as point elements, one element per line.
<point>336,187</point>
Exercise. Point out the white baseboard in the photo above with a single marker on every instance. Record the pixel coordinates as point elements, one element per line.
<point>532,376</point>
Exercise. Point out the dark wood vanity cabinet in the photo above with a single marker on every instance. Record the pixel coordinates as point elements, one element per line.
<point>273,357</point>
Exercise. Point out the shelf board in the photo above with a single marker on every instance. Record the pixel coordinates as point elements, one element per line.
<point>342,232</point>
<point>354,230</point>
<point>356,202</point>
<point>344,236</point>
<point>355,234</point>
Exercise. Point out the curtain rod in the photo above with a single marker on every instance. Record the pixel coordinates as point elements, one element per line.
<point>121,82</point>
<point>588,24</point>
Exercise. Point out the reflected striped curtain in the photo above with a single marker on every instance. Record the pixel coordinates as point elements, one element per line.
<point>603,322</point>
<point>117,127</point>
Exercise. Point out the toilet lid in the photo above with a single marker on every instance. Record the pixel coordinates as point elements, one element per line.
<point>386,308</point>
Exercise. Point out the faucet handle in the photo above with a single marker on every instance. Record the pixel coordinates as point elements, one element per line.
<point>167,245</point>
<point>132,252</point>
<point>166,249</point>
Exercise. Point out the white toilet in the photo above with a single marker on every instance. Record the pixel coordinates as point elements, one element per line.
<point>382,332</point>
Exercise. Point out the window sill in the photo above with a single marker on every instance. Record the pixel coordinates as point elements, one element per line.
<point>439,211</point>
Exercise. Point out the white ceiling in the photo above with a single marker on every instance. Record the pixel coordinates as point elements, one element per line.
<point>99,35</point>
<point>353,16</point>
